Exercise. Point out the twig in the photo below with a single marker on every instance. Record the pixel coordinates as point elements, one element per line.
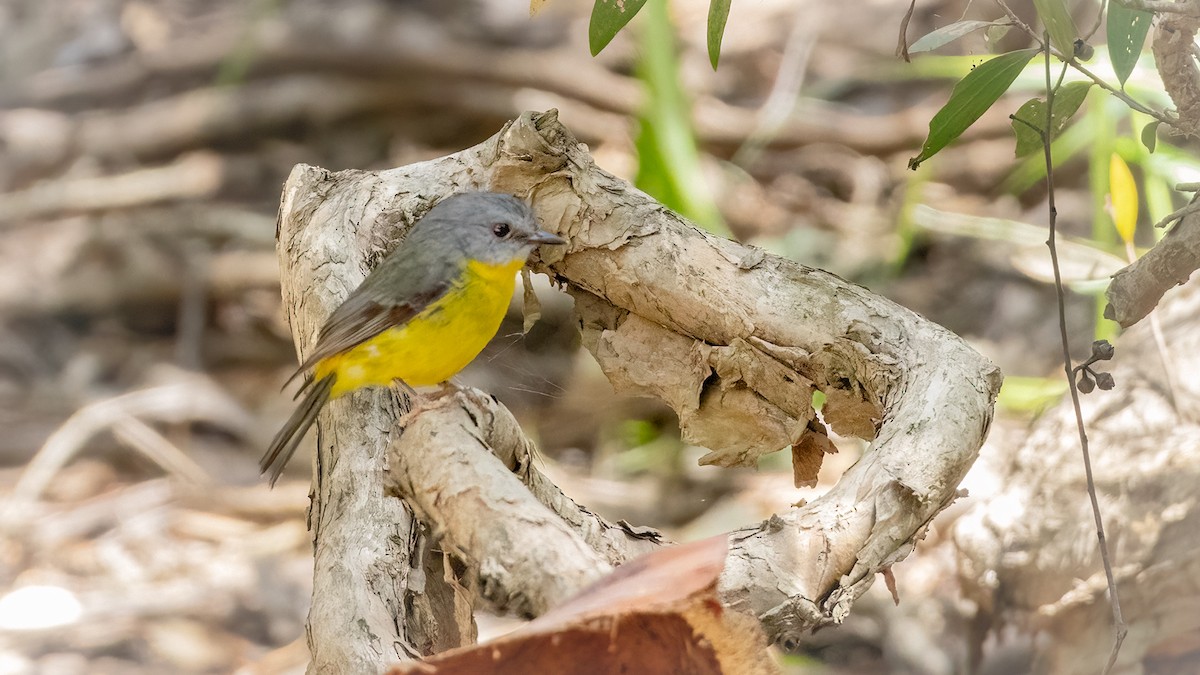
<point>188,397</point>
<point>1179,215</point>
<point>1126,98</point>
<point>1119,622</point>
<point>1099,20</point>
<point>1074,63</point>
<point>1021,24</point>
<point>1164,6</point>
<point>155,447</point>
<point>1192,206</point>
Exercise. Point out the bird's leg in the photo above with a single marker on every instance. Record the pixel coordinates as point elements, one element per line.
<point>444,396</point>
<point>422,402</point>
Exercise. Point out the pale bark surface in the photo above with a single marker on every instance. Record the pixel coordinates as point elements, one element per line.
<point>1027,550</point>
<point>528,558</point>
<point>734,339</point>
<point>379,593</point>
<point>1136,289</point>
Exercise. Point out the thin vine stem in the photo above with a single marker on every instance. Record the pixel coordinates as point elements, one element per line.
<point>1074,63</point>
<point>1119,627</point>
<point>1099,20</point>
<point>1125,98</point>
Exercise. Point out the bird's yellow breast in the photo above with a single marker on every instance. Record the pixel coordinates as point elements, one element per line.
<point>435,344</point>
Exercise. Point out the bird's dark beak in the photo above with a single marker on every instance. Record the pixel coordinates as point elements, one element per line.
<point>543,237</point>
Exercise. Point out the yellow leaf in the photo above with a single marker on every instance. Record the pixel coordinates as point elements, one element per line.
<point>535,6</point>
<point>1123,192</point>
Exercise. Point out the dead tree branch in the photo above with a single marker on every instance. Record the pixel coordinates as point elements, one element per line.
<point>736,340</point>
<point>357,68</point>
<point>1136,289</point>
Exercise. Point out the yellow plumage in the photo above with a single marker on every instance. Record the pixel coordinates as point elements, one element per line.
<point>423,313</point>
<point>437,343</point>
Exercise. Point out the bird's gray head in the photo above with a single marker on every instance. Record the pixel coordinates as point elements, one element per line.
<point>490,227</point>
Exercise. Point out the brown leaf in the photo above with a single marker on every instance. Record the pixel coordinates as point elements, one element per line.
<point>531,306</point>
<point>769,377</point>
<point>808,454</point>
<point>656,614</point>
<point>737,425</point>
<point>889,580</point>
<point>849,415</point>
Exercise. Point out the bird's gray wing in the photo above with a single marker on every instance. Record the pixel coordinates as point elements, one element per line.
<point>380,303</point>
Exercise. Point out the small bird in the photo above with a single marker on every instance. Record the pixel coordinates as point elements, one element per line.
<point>424,313</point>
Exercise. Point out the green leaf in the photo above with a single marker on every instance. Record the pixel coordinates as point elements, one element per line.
<point>972,96</point>
<point>1150,135</point>
<point>1127,30</point>
<point>608,18</point>
<point>1074,142</point>
<point>1059,24</point>
<point>718,14</point>
<point>1066,102</point>
<point>947,34</point>
<point>996,33</point>
<point>669,166</point>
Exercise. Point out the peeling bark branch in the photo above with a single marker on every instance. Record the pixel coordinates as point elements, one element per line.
<point>468,470</point>
<point>1174,46</point>
<point>500,432</point>
<point>1136,289</point>
<point>528,559</point>
<point>736,339</point>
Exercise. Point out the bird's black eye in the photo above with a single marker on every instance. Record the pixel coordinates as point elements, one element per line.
<point>501,230</point>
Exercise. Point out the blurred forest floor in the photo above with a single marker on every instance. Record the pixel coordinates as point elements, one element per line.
<point>143,144</point>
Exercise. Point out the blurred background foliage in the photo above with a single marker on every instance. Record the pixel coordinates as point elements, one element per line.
<point>142,147</point>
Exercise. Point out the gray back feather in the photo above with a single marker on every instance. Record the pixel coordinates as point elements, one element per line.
<point>425,266</point>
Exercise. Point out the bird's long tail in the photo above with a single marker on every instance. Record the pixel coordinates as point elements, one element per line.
<point>284,444</point>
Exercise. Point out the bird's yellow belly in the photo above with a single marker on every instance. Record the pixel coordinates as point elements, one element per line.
<point>437,343</point>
